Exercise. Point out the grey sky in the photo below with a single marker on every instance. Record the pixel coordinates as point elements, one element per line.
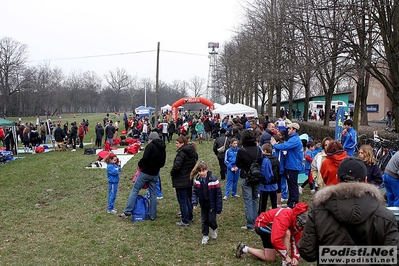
<point>59,29</point>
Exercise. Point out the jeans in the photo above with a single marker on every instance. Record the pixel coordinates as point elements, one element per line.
<point>392,189</point>
<point>186,209</point>
<point>232,181</point>
<point>158,188</point>
<point>142,178</point>
<point>145,137</point>
<point>112,190</point>
<point>111,141</point>
<point>250,196</point>
<point>292,182</point>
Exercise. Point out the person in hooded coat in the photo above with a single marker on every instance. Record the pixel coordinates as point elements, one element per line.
<point>184,162</point>
<point>153,160</point>
<point>348,214</point>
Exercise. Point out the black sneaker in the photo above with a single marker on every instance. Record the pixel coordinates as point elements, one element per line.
<point>239,249</point>
<point>124,215</point>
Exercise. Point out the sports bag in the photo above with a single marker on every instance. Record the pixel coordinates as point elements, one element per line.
<point>140,211</point>
<point>89,151</point>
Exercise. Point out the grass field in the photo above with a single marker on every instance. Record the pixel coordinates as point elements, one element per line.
<point>53,212</point>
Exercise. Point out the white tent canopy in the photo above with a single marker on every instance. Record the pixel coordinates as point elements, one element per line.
<point>237,109</point>
<point>166,108</point>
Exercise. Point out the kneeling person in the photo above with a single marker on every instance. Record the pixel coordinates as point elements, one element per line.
<point>280,230</point>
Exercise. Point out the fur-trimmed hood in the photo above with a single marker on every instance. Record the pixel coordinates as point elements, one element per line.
<point>349,202</point>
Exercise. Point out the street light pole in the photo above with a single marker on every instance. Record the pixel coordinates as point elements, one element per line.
<point>145,96</point>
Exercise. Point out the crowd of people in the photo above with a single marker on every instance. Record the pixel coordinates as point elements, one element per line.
<point>347,205</point>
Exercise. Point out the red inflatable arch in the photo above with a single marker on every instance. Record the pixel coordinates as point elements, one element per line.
<point>189,101</point>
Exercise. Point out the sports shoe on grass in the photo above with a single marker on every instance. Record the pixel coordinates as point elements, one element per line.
<point>300,189</point>
<point>225,198</point>
<point>214,234</point>
<point>249,229</point>
<point>112,211</point>
<point>124,215</point>
<point>205,240</point>
<point>236,196</point>
<point>182,224</point>
<point>239,250</point>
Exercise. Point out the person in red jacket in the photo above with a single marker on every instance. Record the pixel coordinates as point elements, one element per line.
<point>280,230</point>
<point>329,167</point>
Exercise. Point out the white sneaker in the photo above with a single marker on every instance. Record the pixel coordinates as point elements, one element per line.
<point>300,189</point>
<point>236,195</point>
<point>112,211</point>
<point>225,198</point>
<point>215,234</point>
<point>73,150</point>
<point>284,200</point>
<point>159,197</point>
<point>313,191</point>
<point>205,240</point>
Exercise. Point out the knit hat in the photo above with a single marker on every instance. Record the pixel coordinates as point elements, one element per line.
<point>352,169</point>
<point>153,135</point>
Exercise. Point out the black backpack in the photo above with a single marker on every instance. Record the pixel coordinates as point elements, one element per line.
<point>275,167</point>
<point>254,174</point>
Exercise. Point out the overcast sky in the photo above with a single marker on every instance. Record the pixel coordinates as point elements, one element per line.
<point>56,30</point>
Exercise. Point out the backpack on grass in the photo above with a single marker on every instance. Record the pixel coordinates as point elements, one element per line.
<point>140,211</point>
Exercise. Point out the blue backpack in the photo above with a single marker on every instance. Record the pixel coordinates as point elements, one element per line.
<point>140,211</point>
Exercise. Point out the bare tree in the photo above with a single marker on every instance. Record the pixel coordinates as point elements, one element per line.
<point>197,86</point>
<point>13,56</point>
<point>118,81</point>
<point>385,67</point>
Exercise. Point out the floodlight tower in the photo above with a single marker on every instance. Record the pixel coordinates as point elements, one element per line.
<point>213,48</point>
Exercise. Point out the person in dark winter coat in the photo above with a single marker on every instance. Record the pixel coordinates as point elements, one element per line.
<point>221,141</point>
<point>59,134</point>
<point>72,136</point>
<point>171,129</point>
<point>153,160</point>
<point>348,214</point>
<point>246,155</point>
<point>208,194</point>
<point>109,133</point>
<point>99,134</point>
<point>183,164</point>
<point>267,134</point>
<point>208,128</point>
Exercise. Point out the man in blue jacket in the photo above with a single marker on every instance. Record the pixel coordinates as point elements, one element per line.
<point>349,138</point>
<point>293,162</point>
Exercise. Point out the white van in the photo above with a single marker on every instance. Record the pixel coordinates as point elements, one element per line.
<point>317,105</point>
